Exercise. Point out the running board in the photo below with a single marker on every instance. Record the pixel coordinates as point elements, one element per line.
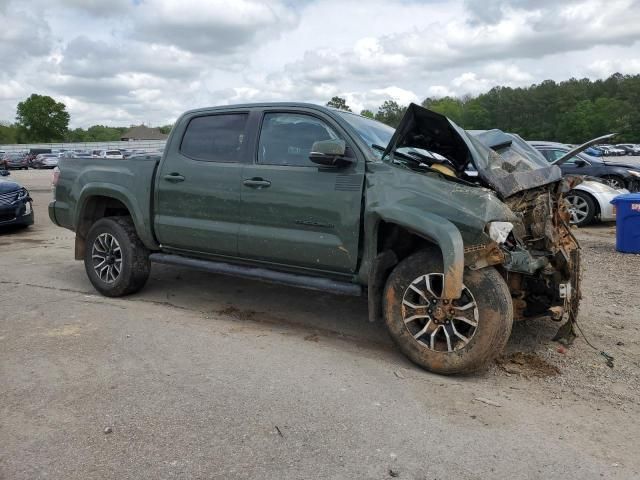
<point>263,274</point>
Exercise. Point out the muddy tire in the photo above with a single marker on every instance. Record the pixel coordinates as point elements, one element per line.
<point>459,337</point>
<point>116,261</point>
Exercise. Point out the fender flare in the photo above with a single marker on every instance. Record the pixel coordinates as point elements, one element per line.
<point>439,231</point>
<point>143,228</point>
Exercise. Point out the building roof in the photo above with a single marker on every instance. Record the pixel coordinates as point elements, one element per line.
<point>142,132</point>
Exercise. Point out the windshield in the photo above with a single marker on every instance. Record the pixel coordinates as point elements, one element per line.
<point>371,131</point>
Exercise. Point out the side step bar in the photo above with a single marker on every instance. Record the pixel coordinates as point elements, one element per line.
<point>263,274</point>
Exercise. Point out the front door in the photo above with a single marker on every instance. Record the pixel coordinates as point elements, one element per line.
<point>198,185</point>
<point>296,213</point>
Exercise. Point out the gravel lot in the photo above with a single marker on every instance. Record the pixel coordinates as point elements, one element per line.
<point>202,376</point>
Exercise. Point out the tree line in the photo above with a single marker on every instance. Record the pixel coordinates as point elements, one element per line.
<point>571,111</point>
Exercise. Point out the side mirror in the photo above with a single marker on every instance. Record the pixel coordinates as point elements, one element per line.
<point>330,153</point>
<point>580,163</point>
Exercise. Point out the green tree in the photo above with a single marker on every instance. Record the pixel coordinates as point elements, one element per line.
<point>452,108</point>
<point>8,133</point>
<point>41,119</point>
<point>367,113</point>
<point>571,111</point>
<point>339,103</point>
<point>390,113</point>
<point>102,133</point>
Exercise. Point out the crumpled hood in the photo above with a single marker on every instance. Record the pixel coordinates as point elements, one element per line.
<point>7,186</point>
<point>428,130</point>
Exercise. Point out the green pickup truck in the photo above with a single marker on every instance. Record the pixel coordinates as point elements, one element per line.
<point>450,241</point>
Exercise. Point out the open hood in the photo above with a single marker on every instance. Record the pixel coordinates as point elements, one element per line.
<point>427,130</point>
<point>574,151</point>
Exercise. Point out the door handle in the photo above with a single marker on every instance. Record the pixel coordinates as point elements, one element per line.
<point>257,182</point>
<point>174,178</point>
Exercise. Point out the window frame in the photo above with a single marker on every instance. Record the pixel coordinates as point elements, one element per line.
<point>327,121</point>
<point>241,153</point>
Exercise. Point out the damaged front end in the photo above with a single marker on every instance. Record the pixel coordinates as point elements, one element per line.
<point>542,258</point>
<point>532,246</point>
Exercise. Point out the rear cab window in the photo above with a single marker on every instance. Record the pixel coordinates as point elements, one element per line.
<point>215,138</point>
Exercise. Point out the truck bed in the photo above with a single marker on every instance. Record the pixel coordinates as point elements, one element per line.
<point>130,180</point>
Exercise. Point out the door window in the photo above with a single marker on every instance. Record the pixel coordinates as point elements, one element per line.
<point>553,155</point>
<point>215,138</point>
<point>287,138</point>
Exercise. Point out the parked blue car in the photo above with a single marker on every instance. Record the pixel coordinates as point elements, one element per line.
<point>594,152</point>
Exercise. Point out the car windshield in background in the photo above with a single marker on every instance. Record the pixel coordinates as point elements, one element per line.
<point>371,131</point>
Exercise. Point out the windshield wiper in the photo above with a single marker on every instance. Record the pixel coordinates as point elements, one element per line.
<point>398,154</point>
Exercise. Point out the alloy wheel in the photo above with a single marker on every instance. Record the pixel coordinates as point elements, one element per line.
<point>578,208</point>
<point>436,323</point>
<point>614,183</point>
<point>107,257</point>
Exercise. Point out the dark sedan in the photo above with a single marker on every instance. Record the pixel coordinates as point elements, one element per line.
<point>15,160</point>
<point>15,203</point>
<point>617,175</point>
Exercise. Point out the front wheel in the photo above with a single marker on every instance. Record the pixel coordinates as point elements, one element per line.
<point>446,337</point>
<point>582,208</point>
<point>614,182</point>
<point>116,261</point>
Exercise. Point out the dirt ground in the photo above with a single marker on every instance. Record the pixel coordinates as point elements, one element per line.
<point>204,376</point>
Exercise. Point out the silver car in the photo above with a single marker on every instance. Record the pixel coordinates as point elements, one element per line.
<point>591,200</point>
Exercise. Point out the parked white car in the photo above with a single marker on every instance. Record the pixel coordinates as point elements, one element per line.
<point>114,154</point>
<point>591,200</point>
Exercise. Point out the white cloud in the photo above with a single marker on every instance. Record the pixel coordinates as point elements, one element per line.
<point>127,61</point>
<point>607,67</point>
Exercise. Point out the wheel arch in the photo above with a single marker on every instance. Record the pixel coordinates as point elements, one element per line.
<point>616,175</point>
<point>97,202</point>
<point>395,235</point>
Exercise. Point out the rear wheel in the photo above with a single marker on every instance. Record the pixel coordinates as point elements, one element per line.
<point>116,261</point>
<point>441,336</point>
<point>582,208</point>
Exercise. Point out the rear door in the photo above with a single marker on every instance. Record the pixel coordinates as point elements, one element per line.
<point>198,184</point>
<point>296,213</point>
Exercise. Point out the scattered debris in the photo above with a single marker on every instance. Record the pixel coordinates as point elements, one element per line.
<point>527,364</point>
<point>561,349</point>
<point>399,374</point>
<point>312,338</point>
<point>393,473</point>
<point>608,358</point>
<point>107,430</point>
<point>487,401</point>
<point>279,432</point>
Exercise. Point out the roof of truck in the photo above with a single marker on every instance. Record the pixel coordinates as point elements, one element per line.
<point>267,104</point>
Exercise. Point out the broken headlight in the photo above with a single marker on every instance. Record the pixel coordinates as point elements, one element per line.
<point>499,231</point>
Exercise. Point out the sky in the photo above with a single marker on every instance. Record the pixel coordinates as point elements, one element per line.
<point>125,62</point>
